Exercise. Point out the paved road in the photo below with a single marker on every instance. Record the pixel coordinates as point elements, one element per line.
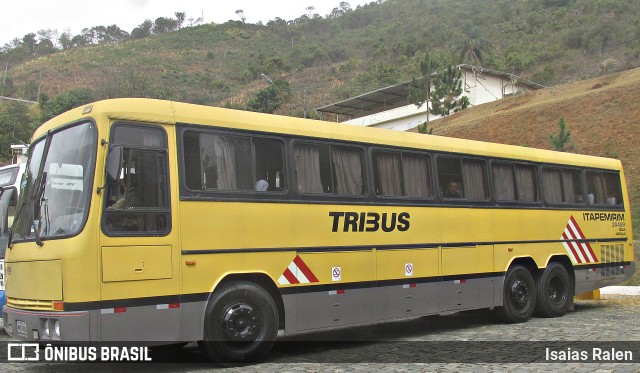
<point>409,346</point>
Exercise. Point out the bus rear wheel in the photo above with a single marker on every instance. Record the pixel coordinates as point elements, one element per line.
<point>241,324</point>
<point>518,295</point>
<point>554,291</point>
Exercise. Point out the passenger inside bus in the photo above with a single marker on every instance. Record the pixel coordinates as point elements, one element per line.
<point>454,190</point>
<point>262,186</point>
<point>128,197</point>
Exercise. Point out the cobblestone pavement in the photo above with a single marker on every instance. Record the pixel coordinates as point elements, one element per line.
<point>406,346</point>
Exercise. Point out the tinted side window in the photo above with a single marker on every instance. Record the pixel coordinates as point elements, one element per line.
<point>462,178</point>
<point>603,188</point>
<point>562,186</point>
<point>329,169</point>
<point>514,182</point>
<point>401,175</point>
<point>233,163</point>
<point>416,173</point>
<point>504,188</point>
<point>526,183</point>
<point>387,172</point>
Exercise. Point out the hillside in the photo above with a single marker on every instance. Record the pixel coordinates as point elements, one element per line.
<point>327,58</point>
<point>601,113</point>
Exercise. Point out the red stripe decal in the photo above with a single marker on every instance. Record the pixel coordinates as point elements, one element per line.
<point>290,277</point>
<point>570,244</point>
<point>412,285</point>
<point>593,255</point>
<point>340,291</point>
<point>174,305</point>
<point>577,234</point>
<point>120,309</point>
<point>305,270</point>
<point>582,236</point>
<point>575,224</point>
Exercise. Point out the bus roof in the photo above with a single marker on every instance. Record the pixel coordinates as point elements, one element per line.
<point>169,112</point>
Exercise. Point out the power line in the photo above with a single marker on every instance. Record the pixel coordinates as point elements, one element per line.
<point>18,100</point>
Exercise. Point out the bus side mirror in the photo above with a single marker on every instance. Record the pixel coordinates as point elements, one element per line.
<point>7,213</point>
<point>114,161</point>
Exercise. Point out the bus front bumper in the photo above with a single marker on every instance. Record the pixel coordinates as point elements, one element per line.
<point>46,326</point>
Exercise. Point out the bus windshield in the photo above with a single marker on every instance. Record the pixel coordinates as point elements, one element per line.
<point>55,191</point>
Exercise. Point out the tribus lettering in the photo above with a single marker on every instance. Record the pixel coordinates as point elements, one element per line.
<point>370,221</point>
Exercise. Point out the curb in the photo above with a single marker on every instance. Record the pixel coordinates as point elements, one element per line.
<point>620,290</point>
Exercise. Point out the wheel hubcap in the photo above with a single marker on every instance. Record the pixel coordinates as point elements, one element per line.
<point>241,323</point>
<point>555,290</point>
<point>519,294</point>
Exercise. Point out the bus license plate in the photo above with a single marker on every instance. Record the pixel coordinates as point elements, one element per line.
<point>21,327</point>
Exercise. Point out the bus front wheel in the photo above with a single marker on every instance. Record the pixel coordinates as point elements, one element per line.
<point>518,295</point>
<point>241,324</point>
<point>554,291</point>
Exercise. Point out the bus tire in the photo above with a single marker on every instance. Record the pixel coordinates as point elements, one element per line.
<point>241,324</point>
<point>554,293</point>
<point>518,295</point>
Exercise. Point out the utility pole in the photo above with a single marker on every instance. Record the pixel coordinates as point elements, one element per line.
<point>4,81</point>
<point>304,101</point>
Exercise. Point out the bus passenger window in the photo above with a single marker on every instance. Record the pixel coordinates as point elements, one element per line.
<point>347,169</point>
<point>226,162</point>
<point>552,185</point>
<point>329,169</point>
<point>514,182</point>
<point>562,186</point>
<point>572,186</point>
<point>504,188</point>
<point>388,174</point>
<point>526,183</point>
<point>462,178</point>
<point>313,169</point>
<point>415,170</point>
<point>269,155</point>
<point>603,188</point>
<point>614,194</point>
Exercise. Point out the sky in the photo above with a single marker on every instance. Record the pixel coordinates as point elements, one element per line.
<point>20,18</point>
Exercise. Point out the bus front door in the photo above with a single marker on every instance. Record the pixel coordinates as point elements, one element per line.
<point>139,253</point>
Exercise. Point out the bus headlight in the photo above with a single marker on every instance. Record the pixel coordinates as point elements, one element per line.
<point>57,328</point>
<point>47,328</point>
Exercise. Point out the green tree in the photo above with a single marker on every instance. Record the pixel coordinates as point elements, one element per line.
<point>471,46</point>
<point>560,140</point>
<point>424,128</point>
<point>180,17</point>
<point>163,24</point>
<point>61,103</point>
<point>447,93</point>
<point>240,14</point>
<point>420,88</point>
<point>143,30</point>
<point>15,126</point>
<point>271,98</point>
<point>65,40</point>
<point>29,43</point>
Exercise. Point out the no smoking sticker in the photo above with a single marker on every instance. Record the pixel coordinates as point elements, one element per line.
<point>336,274</point>
<point>408,269</point>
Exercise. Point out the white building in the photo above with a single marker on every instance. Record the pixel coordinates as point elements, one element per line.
<point>389,107</point>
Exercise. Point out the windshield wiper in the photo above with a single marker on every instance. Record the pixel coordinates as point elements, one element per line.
<point>39,198</point>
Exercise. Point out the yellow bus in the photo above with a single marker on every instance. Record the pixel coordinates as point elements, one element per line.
<point>166,222</point>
